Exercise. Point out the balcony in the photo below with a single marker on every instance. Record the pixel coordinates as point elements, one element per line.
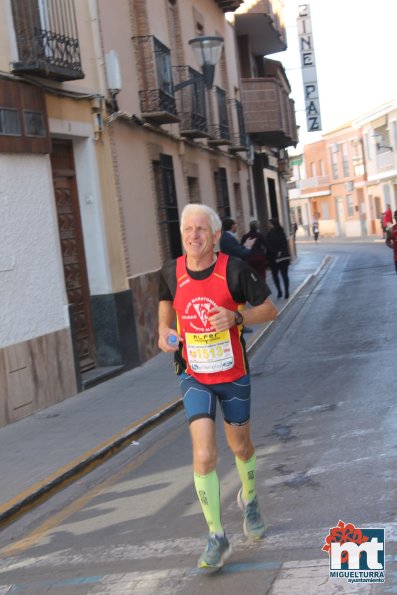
<point>238,138</point>
<point>262,22</point>
<point>228,5</point>
<point>269,113</point>
<point>47,39</point>
<point>385,160</point>
<point>190,101</point>
<point>156,92</point>
<point>219,128</point>
<point>316,183</point>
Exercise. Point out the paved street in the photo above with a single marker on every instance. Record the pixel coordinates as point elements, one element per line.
<point>324,422</point>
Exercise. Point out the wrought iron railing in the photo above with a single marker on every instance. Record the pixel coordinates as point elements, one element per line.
<point>156,89</point>
<point>238,137</point>
<point>155,100</point>
<point>219,129</point>
<point>47,39</point>
<point>190,100</point>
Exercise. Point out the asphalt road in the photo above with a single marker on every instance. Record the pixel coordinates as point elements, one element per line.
<point>324,422</point>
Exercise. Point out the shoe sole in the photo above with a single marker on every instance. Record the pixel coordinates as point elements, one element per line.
<point>226,554</point>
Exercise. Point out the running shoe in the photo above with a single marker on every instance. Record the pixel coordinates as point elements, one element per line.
<point>217,551</point>
<point>254,526</point>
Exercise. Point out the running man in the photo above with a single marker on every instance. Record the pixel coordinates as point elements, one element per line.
<point>205,292</point>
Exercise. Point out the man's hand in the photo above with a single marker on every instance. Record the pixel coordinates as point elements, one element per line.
<point>166,320</point>
<point>221,318</point>
<point>249,242</point>
<point>164,334</point>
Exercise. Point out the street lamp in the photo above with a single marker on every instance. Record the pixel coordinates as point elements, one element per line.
<point>380,142</point>
<point>208,50</point>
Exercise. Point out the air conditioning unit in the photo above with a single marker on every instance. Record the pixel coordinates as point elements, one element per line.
<point>113,72</point>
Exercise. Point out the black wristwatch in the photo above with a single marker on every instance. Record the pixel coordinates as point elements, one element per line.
<point>238,318</point>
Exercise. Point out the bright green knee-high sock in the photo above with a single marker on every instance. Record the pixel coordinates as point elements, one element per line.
<point>247,473</point>
<point>208,492</point>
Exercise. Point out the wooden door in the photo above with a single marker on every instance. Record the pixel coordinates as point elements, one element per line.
<point>72,247</point>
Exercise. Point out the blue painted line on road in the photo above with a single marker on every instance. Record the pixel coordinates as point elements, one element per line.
<point>86,580</point>
<point>242,567</point>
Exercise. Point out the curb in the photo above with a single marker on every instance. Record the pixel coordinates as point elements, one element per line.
<point>269,326</point>
<point>61,478</point>
<point>38,493</point>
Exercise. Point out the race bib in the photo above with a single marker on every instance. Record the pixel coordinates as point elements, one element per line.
<point>208,353</point>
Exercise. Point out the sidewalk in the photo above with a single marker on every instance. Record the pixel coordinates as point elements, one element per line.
<point>57,444</point>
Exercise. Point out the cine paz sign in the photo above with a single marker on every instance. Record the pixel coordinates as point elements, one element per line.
<point>308,65</point>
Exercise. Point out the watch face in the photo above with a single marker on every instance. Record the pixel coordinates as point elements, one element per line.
<point>238,318</point>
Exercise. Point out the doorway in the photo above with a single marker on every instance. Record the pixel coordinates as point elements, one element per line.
<point>72,249</point>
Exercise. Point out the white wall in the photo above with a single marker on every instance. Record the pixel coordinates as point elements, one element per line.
<point>32,287</point>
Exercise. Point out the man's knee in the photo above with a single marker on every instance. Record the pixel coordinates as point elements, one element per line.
<point>240,443</point>
<point>204,459</point>
<point>244,450</point>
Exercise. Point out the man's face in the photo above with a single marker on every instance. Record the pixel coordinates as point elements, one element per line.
<point>197,236</point>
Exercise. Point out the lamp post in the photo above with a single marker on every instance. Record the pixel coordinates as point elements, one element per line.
<point>208,50</point>
<point>380,142</point>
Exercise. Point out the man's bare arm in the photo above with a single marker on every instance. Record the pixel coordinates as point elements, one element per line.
<point>222,319</point>
<point>166,320</point>
<point>260,314</point>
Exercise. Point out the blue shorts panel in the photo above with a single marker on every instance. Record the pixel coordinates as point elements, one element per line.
<point>200,400</point>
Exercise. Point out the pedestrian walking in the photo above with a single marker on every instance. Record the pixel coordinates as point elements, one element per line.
<point>229,243</point>
<point>257,258</point>
<point>204,291</point>
<point>316,230</point>
<point>387,218</point>
<point>391,239</point>
<point>278,256</point>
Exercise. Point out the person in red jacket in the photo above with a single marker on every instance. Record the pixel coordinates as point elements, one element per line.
<point>205,293</point>
<point>387,220</point>
<point>391,239</point>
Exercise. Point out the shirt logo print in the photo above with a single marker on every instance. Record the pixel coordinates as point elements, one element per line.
<point>202,311</point>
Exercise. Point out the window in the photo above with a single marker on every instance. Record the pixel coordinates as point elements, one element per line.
<point>47,39</point>
<point>163,66</point>
<point>167,208</point>
<point>193,189</point>
<point>345,160</point>
<point>350,205</point>
<point>222,193</point>
<point>9,122</point>
<point>23,119</point>
<point>34,124</point>
<point>313,169</point>
<point>367,147</point>
<point>334,160</point>
<point>386,193</point>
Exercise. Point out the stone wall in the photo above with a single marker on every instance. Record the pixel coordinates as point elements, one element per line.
<point>145,296</point>
<point>35,374</point>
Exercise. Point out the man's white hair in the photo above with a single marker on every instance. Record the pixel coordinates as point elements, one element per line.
<point>199,209</point>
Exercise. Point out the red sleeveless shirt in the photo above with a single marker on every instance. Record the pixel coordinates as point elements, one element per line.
<point>211,357</point>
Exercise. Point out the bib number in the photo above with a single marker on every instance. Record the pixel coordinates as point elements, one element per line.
<point>209,353</point>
